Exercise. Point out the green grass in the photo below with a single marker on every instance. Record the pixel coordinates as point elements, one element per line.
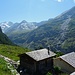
<point>64,74</point>
<point>3,68</point>
<point>12,51</point>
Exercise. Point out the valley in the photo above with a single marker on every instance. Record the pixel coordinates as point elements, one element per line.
<point>37,37</point>
<point>57,32</point>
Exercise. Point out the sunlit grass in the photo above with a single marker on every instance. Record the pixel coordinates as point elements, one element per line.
<point>3,68</point>
<point>12,51</point>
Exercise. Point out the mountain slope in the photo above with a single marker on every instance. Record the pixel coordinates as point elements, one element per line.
<point>58,32</point>
<point>4,39</point>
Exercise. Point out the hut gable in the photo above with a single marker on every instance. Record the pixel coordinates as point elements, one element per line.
<point>69,58</point>
<point>66,62</point>
<point>42,54</point>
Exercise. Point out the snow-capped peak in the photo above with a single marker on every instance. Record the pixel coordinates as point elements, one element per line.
<point>5,25</point>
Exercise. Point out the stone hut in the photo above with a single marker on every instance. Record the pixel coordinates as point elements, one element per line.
<point>40,61</point>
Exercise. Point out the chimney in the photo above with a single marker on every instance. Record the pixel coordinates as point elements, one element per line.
<point>48,50</point>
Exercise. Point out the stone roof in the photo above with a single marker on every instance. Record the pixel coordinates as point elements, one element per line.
<point>69,58</point>
<point>72,73</point>
<point>40,54</point>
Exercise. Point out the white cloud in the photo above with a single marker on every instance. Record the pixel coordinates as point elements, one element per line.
<point>59,0</point>
<point>63,0</point>
<point>42,0</point>
<point>74,1</point>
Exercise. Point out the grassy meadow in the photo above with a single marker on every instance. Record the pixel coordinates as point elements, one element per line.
<point>12,52</point>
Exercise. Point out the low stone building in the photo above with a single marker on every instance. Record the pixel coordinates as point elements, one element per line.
<point>66,62</point>
<point>40,61</point>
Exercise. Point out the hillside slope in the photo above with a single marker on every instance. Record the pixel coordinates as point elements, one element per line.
<point>12,52</point>
<point>4,39</point>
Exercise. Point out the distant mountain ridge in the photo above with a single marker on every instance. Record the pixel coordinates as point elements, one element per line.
<point>23,25</point>
<point>18,28</point>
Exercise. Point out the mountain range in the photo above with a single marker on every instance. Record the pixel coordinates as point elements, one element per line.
<point>17,28</point>
<point>58,33</point>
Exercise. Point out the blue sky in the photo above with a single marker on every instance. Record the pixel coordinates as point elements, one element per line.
<point>32,10</point>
